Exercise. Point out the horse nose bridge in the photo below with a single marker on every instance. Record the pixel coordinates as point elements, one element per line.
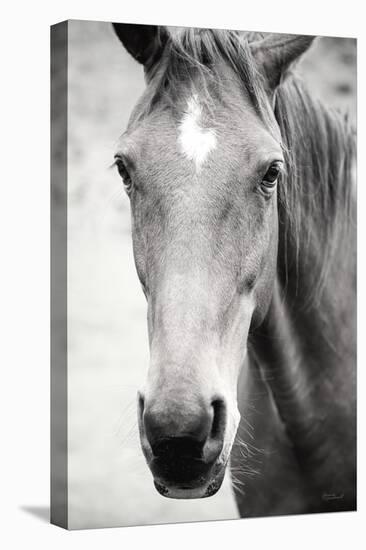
<point>183,284</point>
<point>184,306</point>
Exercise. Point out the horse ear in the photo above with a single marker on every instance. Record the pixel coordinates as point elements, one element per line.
<point>275,53</point>
<point>143,42</point>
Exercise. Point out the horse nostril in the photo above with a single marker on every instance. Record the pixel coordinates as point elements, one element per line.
<point>140,402</point>
<point>219,419</point>
<point>140,407</point>
<point>215,441</point>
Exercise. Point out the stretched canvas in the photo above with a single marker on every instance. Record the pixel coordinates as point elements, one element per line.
<point>203,274</point>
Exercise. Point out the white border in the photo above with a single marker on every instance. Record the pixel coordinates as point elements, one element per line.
<point>24,270</point>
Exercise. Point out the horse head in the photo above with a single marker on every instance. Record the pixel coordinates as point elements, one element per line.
<point>200,162</point>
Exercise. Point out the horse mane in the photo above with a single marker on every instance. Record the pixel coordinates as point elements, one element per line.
<point>319,144</point>
<point>316,191</point>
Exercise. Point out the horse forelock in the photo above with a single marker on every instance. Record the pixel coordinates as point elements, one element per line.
<point>193,58</point>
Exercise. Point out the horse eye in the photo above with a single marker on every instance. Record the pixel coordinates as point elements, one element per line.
<point>270,179</point>
<point>123,172</point>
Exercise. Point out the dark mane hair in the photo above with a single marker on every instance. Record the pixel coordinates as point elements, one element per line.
<point>319,144</point>
<point>317,189</point>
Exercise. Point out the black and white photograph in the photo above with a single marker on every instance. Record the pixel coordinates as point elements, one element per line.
<point>204,330</point>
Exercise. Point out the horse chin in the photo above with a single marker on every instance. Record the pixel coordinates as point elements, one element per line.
<point>208,489</point>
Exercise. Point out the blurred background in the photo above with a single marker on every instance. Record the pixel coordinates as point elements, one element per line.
<point>109,482</point>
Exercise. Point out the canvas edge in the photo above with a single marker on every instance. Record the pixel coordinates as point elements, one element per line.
<point>58,435</point>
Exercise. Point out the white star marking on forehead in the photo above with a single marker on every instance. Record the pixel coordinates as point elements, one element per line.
<point>195,142</point>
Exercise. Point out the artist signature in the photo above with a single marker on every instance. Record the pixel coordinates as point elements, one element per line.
<point>332,496</point>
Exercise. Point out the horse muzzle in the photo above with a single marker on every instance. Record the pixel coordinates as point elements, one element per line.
<point>183,446</point>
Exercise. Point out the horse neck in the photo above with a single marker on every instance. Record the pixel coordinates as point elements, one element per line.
<point>307,340</point>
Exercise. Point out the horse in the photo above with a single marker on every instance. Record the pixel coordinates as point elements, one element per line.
<point>243,206</point>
